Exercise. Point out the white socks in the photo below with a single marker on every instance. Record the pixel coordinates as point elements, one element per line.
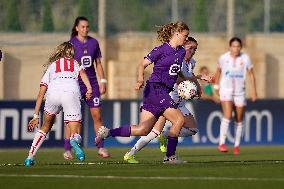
<point>143,141</point>
<point>238,133</point>
<point>38,140</point>
<point>76,137</point>
<point>223,131</point>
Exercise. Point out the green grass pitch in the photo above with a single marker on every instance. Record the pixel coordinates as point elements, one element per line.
<point>256,167</point>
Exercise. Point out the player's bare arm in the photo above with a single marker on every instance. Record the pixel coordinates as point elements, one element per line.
<point>253,84</point>
<point>35,121</point>
<point>87,83</point>
<point>140,77</point>
<point>101,76</point>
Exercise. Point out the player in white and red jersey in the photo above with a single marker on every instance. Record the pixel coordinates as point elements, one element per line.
<point>60,83</point>
<point>232,68</point>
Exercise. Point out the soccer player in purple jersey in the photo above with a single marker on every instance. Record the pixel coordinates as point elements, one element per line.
<point>87,51</point>
<point>167,60</point>
<point>190,125</point>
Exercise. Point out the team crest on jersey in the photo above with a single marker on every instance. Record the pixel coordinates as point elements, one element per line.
<point>86,61</point>
<point>174,69</point>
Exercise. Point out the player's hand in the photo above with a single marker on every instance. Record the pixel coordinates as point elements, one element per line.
<point>89,94</point>
<point>33,123</point>
<point>102,88</point>
<point>139,85</point>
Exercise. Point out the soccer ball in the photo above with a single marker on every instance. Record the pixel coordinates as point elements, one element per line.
<point>187,90</point>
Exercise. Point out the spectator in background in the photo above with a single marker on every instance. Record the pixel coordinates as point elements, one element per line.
<point>87,51</point>
<point>232,67</point>
<point>208,92</point>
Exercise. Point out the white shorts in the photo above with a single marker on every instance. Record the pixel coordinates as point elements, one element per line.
<point>238,100</point>
<point>68,101</point>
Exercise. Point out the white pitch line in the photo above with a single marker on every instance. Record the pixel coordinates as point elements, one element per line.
<point>145,178</point>
<point>118,162</point>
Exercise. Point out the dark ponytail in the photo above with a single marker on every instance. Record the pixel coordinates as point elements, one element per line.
<point>76,23</point>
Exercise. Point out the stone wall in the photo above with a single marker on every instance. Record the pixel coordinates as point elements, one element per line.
<point>21,69</point>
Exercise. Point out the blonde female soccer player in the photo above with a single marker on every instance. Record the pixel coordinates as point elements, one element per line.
<point>60,82</point>
<point>190,125</point>
<point>167,59</point>
<point>232,68</point>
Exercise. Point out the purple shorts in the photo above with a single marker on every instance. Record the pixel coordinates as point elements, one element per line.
<point>157,99</point>
<point>95,101</point>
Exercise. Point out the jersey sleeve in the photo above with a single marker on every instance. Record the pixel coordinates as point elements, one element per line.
<point>45,79</point>
<point>98,53</point>
<point>154,55</point>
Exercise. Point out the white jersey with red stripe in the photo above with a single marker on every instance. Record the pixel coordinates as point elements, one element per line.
<point>63,92</point>
<point>62,74</point>
<point>233,73</point>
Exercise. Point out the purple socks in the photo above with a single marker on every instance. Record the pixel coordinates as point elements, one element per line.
<point>67,145</point>
<point>100,144</point>
<point>171,146</point>
<point>123,131</point>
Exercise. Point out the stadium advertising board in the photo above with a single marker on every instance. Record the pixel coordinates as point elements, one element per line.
<point>263,123</point>
<point>14,118</point>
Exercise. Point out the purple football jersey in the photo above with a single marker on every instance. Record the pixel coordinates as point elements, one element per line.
<point>167,63</point>
<point>86,53</point>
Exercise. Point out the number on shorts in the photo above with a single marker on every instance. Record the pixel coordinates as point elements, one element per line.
<point>96,101</point>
